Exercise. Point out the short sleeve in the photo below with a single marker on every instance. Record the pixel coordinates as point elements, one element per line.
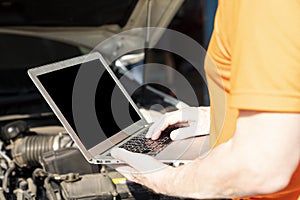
<point>265,73</point>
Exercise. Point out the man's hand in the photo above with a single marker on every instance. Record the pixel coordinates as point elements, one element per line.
<point>144,170</point>
<point>246,165</point>
<point>191,121</point>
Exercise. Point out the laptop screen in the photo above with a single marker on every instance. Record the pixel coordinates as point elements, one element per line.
<point>108,110</point>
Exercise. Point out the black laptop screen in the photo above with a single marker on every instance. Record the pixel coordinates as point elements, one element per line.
<point>95,112</point>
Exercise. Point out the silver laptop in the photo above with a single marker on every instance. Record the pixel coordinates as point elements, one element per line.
<point>98,113</point>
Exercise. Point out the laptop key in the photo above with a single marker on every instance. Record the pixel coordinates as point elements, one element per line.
<point>140,144</point>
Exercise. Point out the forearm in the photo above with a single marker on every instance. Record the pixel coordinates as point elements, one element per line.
<point>216,177</point>
<point>210,177</point>
<point>247,164</point>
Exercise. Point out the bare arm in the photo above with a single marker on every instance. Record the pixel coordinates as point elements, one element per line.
<point>259,159</point>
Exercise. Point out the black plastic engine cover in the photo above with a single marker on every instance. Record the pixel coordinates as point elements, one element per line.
<point>67,160</point>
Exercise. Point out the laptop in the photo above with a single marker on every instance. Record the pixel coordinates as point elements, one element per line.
<point>99,114</point>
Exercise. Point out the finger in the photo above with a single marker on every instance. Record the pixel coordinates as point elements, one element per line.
<point>130,174</point>
<point>187,132</point>
<point>182,133</point>
<point>156,124</point>
<point>170,119</point>
<point>169,128</point>
<point>140,162</point>
<point>126,171</point>
<point>152,127</point>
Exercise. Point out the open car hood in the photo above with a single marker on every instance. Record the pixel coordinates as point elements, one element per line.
<point>69,31</point>
<point>93,29</point>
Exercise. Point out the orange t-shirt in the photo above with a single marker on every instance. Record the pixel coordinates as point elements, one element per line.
<point>256,49</point>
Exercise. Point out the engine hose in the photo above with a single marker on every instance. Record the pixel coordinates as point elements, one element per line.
<point>27,151</point>
<point>49,190</point>
<point>2,197</point>
<point>5,179</point>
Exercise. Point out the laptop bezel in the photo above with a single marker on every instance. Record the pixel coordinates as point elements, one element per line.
<point>35,72</point>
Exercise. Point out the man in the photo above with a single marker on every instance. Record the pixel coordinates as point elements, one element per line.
<point>256,143</point>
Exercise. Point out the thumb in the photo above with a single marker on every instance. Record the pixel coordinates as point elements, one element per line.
<point>140,162</point>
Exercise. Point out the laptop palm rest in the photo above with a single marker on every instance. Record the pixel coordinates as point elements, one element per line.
<point>185,150</point>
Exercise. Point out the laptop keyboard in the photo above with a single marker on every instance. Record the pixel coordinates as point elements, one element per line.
<point>140,144</point>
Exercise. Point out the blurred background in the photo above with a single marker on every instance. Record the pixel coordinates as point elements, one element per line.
<point>36,154</point>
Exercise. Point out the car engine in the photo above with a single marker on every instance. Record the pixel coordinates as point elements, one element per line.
<point>47,165</point>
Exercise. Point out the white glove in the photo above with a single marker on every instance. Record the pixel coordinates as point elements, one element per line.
<point>190,121</point>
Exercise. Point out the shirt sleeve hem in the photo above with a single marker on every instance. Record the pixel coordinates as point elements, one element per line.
<point>265,102</point>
